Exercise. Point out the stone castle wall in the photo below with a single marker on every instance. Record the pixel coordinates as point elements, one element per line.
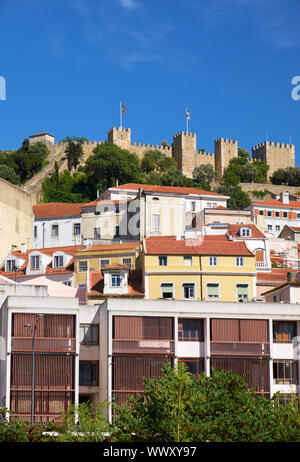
<point>276,155</point>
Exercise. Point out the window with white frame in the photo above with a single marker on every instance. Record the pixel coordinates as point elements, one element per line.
<point>58,261</point>
<point>11,265</point>
<point>163,260</point>
<point>97,233</point>
<point>54,231</point>
<point>76,229</point>
<point>127,261</point>
<point>104,262</point>
<point>242,291</point>
<point>188,290</point>
<point>116,280</point>
<point>35,262</point>
<point>245,232</point>
<point>155,223</point>
<point>270,227</point>
<point>239,261</point>
<point>193,206</point>
<point>83,265</point>
<point>212,261</point>
<point>166,289</point>
<point>212,290</point>
<point>187,261</point>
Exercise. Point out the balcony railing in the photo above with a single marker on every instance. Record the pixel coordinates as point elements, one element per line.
<point>143,346</point>
<point>263,265</point>
<point>44,344</point>
<point>240,348</point>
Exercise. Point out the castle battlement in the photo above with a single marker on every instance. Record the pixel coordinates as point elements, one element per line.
<point>119,129</point>
<point>273,144</point>
<point>227,141</point>
<point>189,134</point>
<point>204,153</point>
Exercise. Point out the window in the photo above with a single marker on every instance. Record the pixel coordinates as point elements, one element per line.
<point>193,206</point>
<point>298,215</point>
<point>11,265</point>
<point>285,214</point>
<point>284,331</point>
<point>277,214</point>
<point>277,227</point>
<point>89,334</point>
<point>117,209</point>
<point>242,291</point>
<point>88,373</point>
<point>239,261</point>
<point>187,261</point>
<point>162,260</point>
<point>195,366</point>
<point>54,232</point>
<point>261,212</point>
<point>116,280</point>
<point>76,229</point>
<point>188,290</point>
<point>35,262</point>
<point>166,289</point>
<point>285,372</point>
<point>58,261</point>
<point>269,213</point>
<point>104,262</point>
<point>155,223</point>
<point>97,233</point>
<point>83,265</point>
<point>274,298</point>
<point>270,227</point>
<point>245,232</point>
<point>190,330</point>
<point>212,290</point>
<point>35,232</point>
<point>117,231</point>
<point>212,261</point>
<point>127,262</point>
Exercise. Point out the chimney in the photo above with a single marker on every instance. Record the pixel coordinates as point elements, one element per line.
<point>23,248</point>
<point>284,197</point>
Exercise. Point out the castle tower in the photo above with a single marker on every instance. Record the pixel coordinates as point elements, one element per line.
<point>276,155</point>
<point>185,152</point>
<point>225,150</point>
<point>120,136</point>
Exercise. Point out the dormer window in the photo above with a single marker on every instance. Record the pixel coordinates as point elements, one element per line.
<point>11,265</point>
<point>58,261</point>
<point>116,280</point>
<point>35,262</point>
<point>245,232</point>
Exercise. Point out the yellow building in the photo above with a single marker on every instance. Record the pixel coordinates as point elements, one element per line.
<point>214,268</point>
<point>109,271</point>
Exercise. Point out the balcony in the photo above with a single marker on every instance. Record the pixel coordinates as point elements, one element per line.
<point>240,348</point>
<point>143,346</point>
<point>46,344</point>
<point>263,265</point>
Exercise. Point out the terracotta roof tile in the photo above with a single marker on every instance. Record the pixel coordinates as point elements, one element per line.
<point>166,189</point>
<point>209,245</point>
<point>135,283</point>
<point>115,266</point>
<point>234,231</point>
<point>277,203</point>
<point>57,210</point>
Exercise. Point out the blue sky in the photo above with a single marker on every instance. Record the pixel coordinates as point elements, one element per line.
<point>69,63</point>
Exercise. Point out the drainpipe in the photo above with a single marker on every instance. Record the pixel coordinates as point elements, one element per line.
<point>43,234</point>
<point>201,279</point>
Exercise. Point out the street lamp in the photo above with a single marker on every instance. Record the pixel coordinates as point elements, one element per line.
<point>32,331</point>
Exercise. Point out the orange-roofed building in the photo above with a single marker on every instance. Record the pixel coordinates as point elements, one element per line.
<point>271,215</point>
<point>212,268</point>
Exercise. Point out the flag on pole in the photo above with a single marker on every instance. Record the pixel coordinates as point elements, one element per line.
<point>188,115</point>
<point>123,108</point>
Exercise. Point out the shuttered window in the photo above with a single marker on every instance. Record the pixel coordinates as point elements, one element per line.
<point>212,290</point>
<point>242,291</point>
<point>166,290</point>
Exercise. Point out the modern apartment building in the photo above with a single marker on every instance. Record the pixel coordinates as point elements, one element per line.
<point>137,337</point>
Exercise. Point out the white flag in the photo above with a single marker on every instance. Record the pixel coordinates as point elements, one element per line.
<point>188,116</point>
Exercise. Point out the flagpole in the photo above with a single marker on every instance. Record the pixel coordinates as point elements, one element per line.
<point>187,121</point>
<point>121,115</point>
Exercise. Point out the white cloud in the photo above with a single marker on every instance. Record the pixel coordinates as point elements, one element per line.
<point>129,4</point>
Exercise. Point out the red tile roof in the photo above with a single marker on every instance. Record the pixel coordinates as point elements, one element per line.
<point>39,134</point>
<point>166,189</point>
<point>135,283</point>
<point>100,202</point>
<point>234,231</point>
<point>57,210</point>
<point>277,203</point>
<point>128,245</point>
<point>115,266</point>
<point>295,228</point>
<point>209,245</point>
<point>276,277</point>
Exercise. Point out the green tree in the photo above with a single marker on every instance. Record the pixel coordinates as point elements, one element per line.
<point>243,153</point>
<point>204,175</point>
<point>179,407</point>
<point>108,164</point>
<point>85,422</point>
<point>262,171</point>
<point>9,174</point>
<point>74,153</point>
<point>156,161</point>
<point>238,198</point>
<point>64,187</point>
